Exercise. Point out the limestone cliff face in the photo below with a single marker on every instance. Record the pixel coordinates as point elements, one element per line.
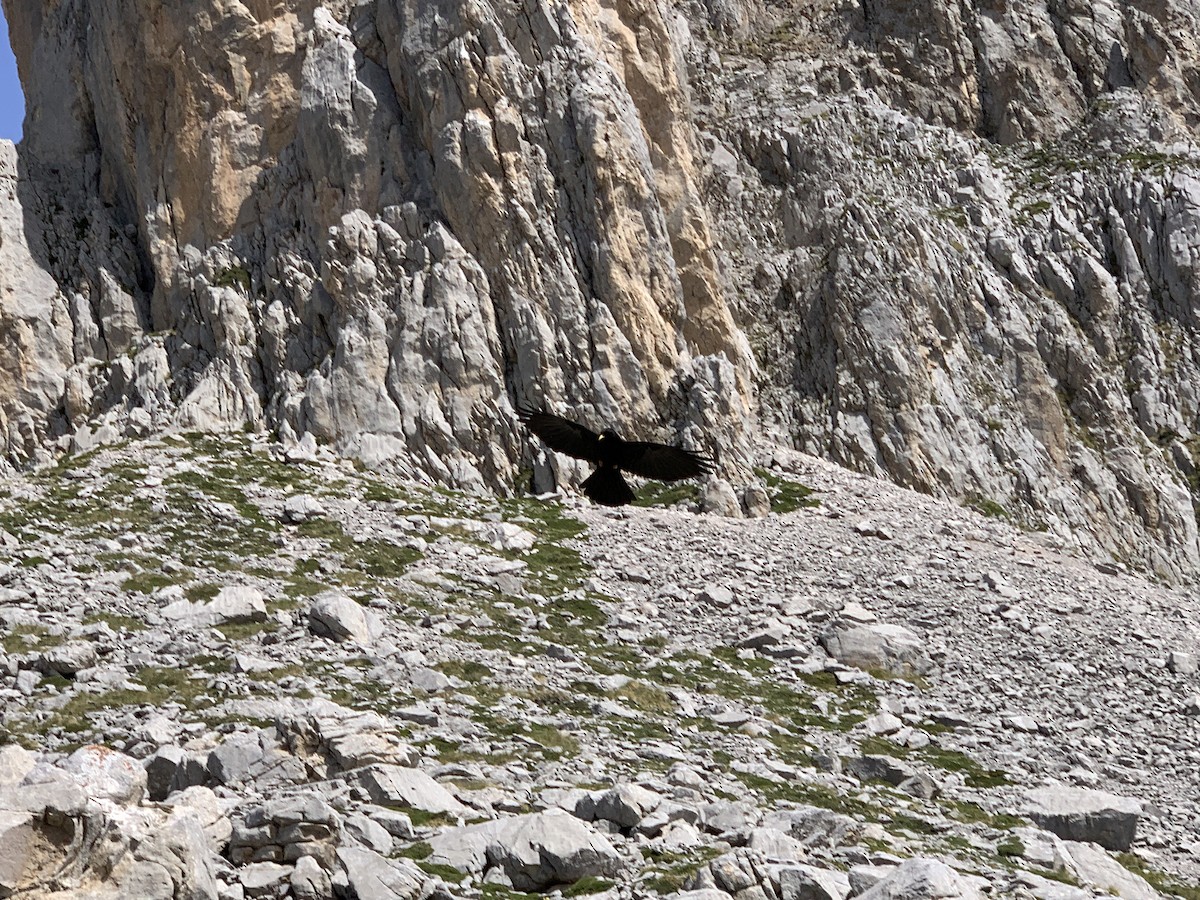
<point>33,320</point>
<point>973,232</point>
<point>381,223</point>
<point>961,239</point>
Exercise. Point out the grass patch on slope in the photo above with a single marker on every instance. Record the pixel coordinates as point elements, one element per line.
<point>786,495</point>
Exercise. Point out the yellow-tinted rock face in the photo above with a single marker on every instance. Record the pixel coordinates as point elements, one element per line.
<point>385,223</point>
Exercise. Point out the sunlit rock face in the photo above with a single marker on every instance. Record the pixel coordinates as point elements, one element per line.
<point>952,247</point>
<point>380,223</point>
<point>964,246</point>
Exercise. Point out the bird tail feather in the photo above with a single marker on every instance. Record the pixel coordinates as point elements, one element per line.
<point>607,486</point>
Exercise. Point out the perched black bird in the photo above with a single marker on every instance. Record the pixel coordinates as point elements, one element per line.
<point>611,454</point>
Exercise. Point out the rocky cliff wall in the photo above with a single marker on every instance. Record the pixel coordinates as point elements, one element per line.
<point>378,223</point>
<point>962,240</point>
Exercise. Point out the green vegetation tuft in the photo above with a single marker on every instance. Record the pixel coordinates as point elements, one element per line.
<point>378,492</point>
<point>443,871</point>
<point>423,818</point>
<point>500,892</point>
<point>1011,846</point>
<point>786,496</point>
<point>237,276</point>
<point>647,697</point>
<point>116,622</point>
<point>23,638</point>
<point>147,582</point>
<point>162,685</point>
<point>1160,881</point>
<point>201,593</point>
<point>986,506</point>
<point>669,870</point>
<point>975,775</point>
<point>589,884</point>
<point>419,850</point>
<point>466,670</point>
<point>973,813</point>
<point>661,493</point>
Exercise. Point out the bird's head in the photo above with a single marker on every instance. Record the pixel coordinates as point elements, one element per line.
<point>608,435</point>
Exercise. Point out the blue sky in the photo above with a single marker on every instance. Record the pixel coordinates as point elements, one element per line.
<point>12,101</point>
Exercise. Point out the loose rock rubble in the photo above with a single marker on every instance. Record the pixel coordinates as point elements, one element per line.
<point>406,693</point>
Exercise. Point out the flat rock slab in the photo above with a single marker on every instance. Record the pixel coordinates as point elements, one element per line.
<point>1097,868</point>
<point>369,876</point>
<point>535,851</point>
<point>1080,814</point>
<point>400,786</point>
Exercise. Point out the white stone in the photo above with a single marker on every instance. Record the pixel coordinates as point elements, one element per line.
<point>336,616</point>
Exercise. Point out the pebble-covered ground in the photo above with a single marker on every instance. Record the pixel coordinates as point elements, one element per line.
<point>339,673</point>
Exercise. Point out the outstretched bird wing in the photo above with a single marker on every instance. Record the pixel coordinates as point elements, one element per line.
<point>662,462</point>
<point>561,434</point>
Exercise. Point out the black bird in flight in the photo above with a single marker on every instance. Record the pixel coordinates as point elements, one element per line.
<point>611,454</point>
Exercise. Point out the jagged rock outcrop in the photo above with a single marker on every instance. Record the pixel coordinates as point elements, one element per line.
<point>936,299</point>
<point>961,242</point>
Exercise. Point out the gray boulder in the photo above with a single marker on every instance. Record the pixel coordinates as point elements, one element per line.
<point>804,882</point>
<point>264,879</point>
<point>366,875</point>
<point>741,873</point>
<point>107,775</point>
<point>814,826</point>
<point>237,605</point>
<point>68,659</point>
<point>533,851</point>
<point>879,768</point>
<point>335,616</point>
<point>55,837</point>
<point>923,879</point>
<point>286,829</point>
<point>774,844</point>
<point>309,881</point>
<point>624,805</point>
<point>399,786</point>
<point>257,757</point>
<point>353,751</point>
<point>171,769</point>
<point>15,763</point>
<point>893,649</point>
<point>301,508</point>
<point>717,496</point>
<point>1080,814</point>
